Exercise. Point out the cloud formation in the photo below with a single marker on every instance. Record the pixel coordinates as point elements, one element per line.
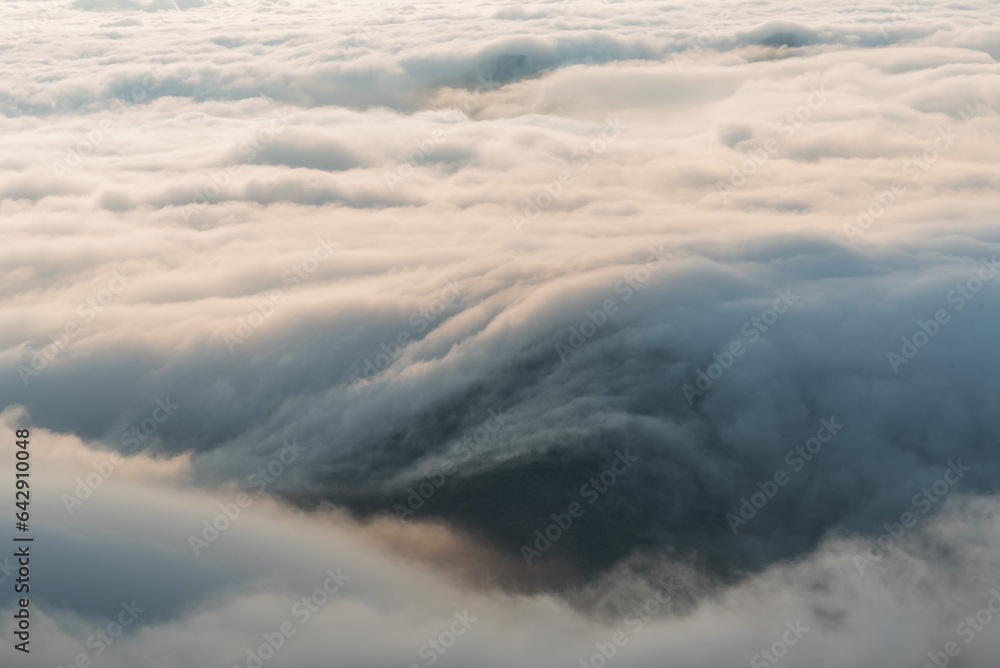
<point>466,256</point>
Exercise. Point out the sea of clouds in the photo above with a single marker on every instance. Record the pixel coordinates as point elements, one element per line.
<point>443,262</point>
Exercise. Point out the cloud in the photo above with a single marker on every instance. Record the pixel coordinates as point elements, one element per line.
<point>247,582</point>
<point>700,236</point>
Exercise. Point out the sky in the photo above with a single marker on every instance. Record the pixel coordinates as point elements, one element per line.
<point>572,333</point>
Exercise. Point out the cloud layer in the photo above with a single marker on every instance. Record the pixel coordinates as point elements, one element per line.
<point>468,257</point>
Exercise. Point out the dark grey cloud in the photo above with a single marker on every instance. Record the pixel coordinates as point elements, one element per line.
<point>701,452</point>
